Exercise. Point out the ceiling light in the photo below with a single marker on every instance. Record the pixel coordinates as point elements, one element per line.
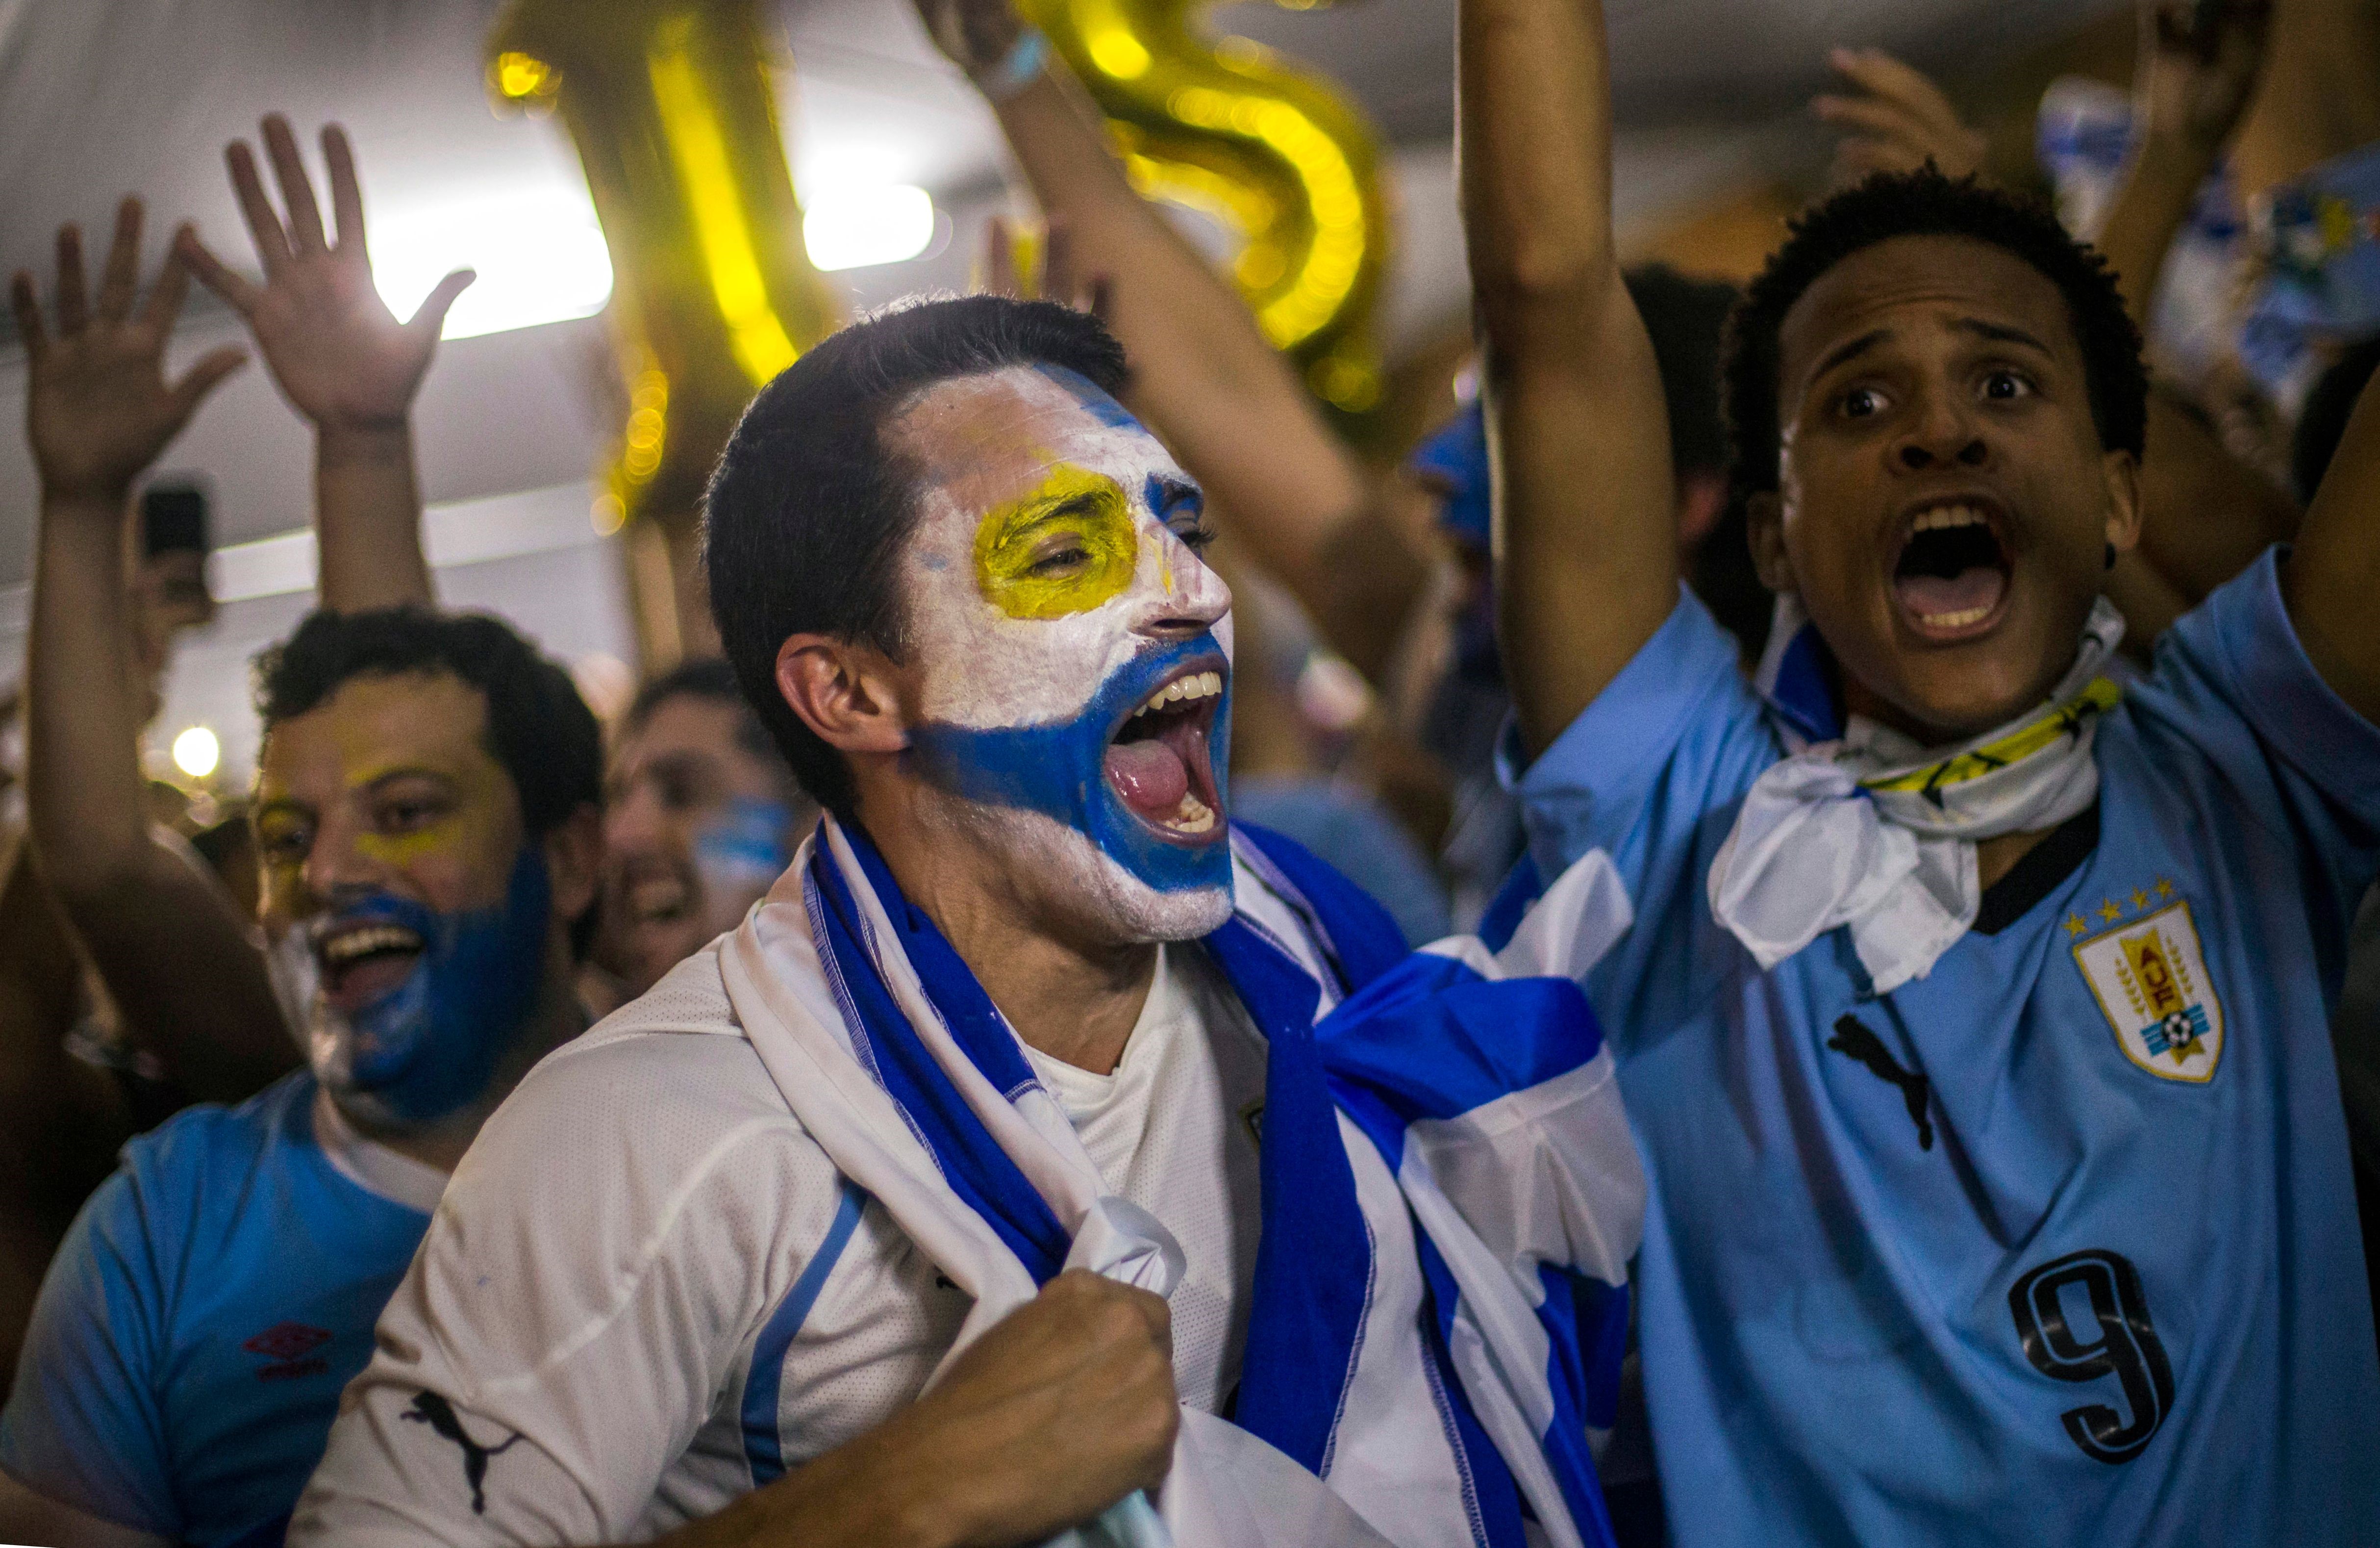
<point>539,256</point>
<point>196,752</point>
<point>854,227</point>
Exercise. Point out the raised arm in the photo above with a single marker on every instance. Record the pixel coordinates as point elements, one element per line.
<point>165,937</point>
<point>2198,61</point>
<point>1587,564</point>
<point>1222,397</point>
<point>342,361</point>
<point>2333,572</point>
<point>67,1118</point>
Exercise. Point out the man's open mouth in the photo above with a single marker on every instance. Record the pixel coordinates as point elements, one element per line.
<point>363,959</point>
<point>1951,575</point>
<point>1157,760</point>
<point>653,891</point>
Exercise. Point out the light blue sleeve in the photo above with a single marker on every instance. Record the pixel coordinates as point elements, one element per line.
<point>2309,766</point>
<point>1652,773</point>
<point>83,1425</point>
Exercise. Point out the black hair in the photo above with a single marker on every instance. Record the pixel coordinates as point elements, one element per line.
<point>2323,423</point>
<point>808,508</point>
<point>1926,203</point>
<point>538,727</point>
<point>1687,320</point>
<point>711,679</point>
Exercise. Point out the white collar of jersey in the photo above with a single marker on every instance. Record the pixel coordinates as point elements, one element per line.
<point>372,1167</point>
<point>1877,833</point>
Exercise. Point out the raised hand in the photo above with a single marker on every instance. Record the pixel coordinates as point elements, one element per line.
<point>2198,65</point>
<point>1896,119</point>
<point>99,408</point>
<point>340,357</point>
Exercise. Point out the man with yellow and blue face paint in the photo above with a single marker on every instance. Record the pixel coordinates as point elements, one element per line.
<point>428,832</point>
<point>1046,1154</point>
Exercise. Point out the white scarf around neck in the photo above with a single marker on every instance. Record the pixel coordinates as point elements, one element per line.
<point>1880,834</point>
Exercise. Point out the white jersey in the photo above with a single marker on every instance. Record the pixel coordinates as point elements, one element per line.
<point>648,1291</point>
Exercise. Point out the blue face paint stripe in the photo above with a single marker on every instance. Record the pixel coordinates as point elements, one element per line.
<point>1100,405</point>
<point>1059,768</point>
<point>432,1043</point>
<point>765,1378</point>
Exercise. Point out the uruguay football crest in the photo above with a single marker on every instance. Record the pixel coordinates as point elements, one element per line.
<point>2150,978</point>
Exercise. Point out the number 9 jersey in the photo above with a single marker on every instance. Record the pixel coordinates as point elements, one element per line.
<point>2057,1242</point>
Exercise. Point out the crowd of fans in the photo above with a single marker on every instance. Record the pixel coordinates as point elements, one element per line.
<point>1692,584</point>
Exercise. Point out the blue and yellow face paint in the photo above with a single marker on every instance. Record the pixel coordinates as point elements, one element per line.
<point>431,1044</point>
<point>1068,546</point>
<point>1059,769</point>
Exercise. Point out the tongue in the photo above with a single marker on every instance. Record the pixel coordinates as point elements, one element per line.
<point>365,981</point>
<point>1933,595</point>
<point>1149,776</point>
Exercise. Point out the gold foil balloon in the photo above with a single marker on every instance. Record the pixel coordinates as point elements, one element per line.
<point>1288,164</point>
<point>673,108</point>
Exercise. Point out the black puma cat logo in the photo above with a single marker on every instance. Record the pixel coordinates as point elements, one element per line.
<point>436,1412</point>
<point>1853,1040</point>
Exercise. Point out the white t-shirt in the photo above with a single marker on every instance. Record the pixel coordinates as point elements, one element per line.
<point>648,1291</point>
<point>1173,1128</point>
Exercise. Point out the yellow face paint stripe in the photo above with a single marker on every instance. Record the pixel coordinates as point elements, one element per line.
<point>2097,697</point>
<point>1071,504</point>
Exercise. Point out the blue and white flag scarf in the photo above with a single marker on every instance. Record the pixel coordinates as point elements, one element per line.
<point>896,1060</point>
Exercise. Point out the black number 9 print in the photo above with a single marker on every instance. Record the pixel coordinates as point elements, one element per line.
<point>2124,1346</point>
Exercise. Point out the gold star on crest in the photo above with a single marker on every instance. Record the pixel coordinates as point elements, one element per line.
<point>2140,898</point>
<point>2164,887</point>
<point>2075,925</point>
<point>2110,911</point>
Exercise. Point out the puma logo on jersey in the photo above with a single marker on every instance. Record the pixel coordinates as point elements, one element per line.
<point>1853,1040</point>
<point>434,1411</point>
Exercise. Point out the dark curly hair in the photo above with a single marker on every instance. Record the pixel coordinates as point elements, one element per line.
<point>808,508</point>
<point>1924,203</point>
<point>537,727</point>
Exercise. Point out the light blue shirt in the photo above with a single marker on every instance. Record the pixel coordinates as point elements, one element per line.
<point>2097,1280</point>
<point>193,1333</point>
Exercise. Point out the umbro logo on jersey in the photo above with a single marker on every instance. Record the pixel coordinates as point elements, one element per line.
<point>2149,976</point>
<point>286,1345</point>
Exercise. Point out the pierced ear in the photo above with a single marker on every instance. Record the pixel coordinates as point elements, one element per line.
<point>843,691</point>
<point>573,861</point>
<point>2122,472</point>
<point>1764,528</point>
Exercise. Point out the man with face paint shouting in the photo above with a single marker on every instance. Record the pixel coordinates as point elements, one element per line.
<point>427,817</point>
<point>428,830</point>
<point>1044,1151</point>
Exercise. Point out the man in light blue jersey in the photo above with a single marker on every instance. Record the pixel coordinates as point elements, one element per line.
<point>427,829</point>
<point>428,823</point>
<point>1972,1022</point>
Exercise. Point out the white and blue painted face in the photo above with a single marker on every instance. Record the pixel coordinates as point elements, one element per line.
<point>1071,649</point>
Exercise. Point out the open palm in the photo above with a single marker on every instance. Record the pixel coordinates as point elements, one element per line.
<point>340,357</point>
<point>99,408</point>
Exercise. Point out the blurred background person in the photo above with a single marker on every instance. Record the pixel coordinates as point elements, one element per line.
<point>701,816</point>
